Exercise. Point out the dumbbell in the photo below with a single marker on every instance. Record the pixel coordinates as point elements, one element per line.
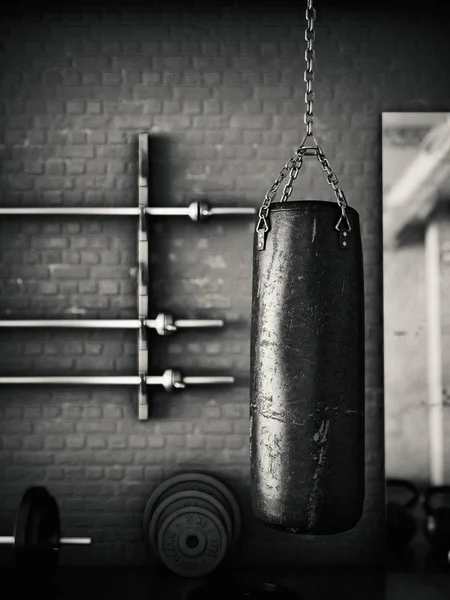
<point>437,522</point>
<point>400,523</point>
<point>37,537</point>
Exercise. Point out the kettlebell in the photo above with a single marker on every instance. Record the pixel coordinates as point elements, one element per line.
<point>400,523</point>
<point>437,522</point>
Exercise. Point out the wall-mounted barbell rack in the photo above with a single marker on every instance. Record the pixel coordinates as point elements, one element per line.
<point>163,324</point>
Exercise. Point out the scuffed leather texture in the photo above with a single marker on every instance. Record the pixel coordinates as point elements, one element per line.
<point>307,371</point>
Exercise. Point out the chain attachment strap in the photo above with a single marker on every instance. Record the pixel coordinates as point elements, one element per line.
<point>295,163</point>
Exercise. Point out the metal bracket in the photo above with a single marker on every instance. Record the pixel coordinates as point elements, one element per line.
<point>143,347</point>
<point>143,282</point>
<point>142,398</point>
<point>261,237</point>
<point>344,239</point>
<point>142,227</point>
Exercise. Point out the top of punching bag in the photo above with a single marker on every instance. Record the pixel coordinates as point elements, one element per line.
<point>316,205</point>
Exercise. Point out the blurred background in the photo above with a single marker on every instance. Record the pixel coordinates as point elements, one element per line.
<point>416,259</point>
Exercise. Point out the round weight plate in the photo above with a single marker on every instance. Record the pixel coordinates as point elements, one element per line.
<point>186,499</point>
<point>37,530</point>
<point>192,542</point>
<point>198,482</point>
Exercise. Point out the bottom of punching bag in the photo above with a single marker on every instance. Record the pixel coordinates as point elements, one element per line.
<point>327,526</point>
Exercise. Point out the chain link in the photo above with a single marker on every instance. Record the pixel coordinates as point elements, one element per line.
<point>294,164</point>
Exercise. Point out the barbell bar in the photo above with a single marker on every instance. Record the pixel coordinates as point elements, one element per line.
<point>163,324</point>
<point>37,536</point>
<point>170,380</point>
<point>63,541</point>
<point>196,211</point>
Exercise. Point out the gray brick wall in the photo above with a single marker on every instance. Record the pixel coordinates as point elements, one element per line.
<point>222,94</point>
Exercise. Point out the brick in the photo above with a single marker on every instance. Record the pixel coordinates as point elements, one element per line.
<point>216,426</point>
<point>134,474</point>
<point>73,272</point>
<point>156,441</point>
<point>33,458</point>
<point>96,442</point>
<point>33,443</point>
<point>77,151</point>
<point>94,473</point>
<point>214,443</point>
<point>112,412</point>
<point>76,442</point>
<point>55,442</point>
<point>75,108</point>
<point>114,473</point>
<point>54,473</point>
<point>54,427</point>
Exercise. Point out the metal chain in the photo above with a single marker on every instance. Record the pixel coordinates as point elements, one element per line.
<point>295,163</point>
<point>331,178</point>
<point>310,36</point>
<point>263,213</point>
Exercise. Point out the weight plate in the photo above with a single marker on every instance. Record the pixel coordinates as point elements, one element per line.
<point>186,499</point>
<point>37,530</point>
<point>192,542</point>
<point>198,482</point>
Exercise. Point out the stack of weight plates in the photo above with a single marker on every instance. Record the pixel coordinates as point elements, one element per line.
<point>191,522</point>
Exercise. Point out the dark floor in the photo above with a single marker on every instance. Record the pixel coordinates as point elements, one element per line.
<point>416,575</point>
<point>312,584</point>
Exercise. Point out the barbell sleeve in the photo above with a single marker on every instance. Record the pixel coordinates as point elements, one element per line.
<point>173,379</point>
<point>64,541</point>
<point>168,211</point>
<point>165,324</point>
<point>198,323</point>
<point>207,380</point>
<point>227,210</point>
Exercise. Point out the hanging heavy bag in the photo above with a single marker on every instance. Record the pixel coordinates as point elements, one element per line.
<point>307,353</point>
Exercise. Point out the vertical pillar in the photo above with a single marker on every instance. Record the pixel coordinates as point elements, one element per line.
<point>435,404</point>
<point>142,275</point>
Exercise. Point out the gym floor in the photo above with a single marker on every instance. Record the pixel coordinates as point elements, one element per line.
<point>125,583</point>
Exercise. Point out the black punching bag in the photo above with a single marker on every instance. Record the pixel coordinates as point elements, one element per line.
<point>307,370</point>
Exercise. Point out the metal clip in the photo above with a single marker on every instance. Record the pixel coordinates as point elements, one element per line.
<point>261,233</point>
<point>343,233</point>
<point>341,218</point>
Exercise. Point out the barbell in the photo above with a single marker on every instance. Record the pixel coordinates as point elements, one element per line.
<point>196,211</point>
<point>170,380</point>
<point>37,537</point>
<point>163,324</point>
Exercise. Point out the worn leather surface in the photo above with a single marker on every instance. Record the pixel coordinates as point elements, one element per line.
<point>307,371</point>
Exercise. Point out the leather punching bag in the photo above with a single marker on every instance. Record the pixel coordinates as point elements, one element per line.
<point>307,370</point>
